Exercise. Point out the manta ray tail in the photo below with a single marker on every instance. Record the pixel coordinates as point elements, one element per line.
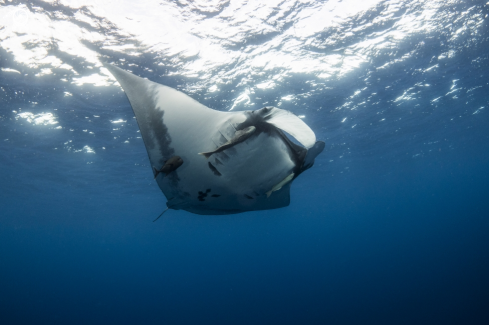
<point>161,214</point>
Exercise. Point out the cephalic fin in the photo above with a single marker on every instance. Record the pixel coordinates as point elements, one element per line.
<point>281,184</point>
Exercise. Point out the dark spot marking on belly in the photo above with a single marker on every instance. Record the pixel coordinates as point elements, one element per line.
<point>203,195</point>
<point>248,197</point>
<point>215,195</point>
<point>214,169</point>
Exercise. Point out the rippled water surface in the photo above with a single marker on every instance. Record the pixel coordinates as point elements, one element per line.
<point>390,225</point>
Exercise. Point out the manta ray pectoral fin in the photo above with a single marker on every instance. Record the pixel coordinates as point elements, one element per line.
<point>279,185</point>
<point>291,124</point>
<point>172,123</point>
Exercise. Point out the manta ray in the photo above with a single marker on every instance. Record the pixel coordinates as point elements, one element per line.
<point>211,162</point>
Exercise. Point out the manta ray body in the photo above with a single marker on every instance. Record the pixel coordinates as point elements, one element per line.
<point>229,162</point>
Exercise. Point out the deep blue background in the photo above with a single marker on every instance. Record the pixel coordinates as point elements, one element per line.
<point>404,245</point>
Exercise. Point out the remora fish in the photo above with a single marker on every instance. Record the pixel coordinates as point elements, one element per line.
<point>238,137</point>
<point>170,165</point>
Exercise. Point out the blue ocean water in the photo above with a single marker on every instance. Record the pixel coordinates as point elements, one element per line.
<point>390,226</point>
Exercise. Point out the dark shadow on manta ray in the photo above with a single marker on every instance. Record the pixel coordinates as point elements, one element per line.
<point>245,171</point>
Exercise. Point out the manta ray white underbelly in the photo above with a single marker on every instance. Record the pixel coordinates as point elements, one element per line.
<point>247,170</point>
